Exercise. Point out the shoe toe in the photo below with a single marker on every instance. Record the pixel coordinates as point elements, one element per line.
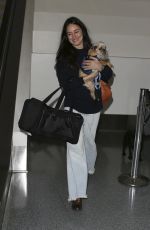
<point>77,204</point>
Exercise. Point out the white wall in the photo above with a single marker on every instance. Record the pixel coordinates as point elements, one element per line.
<point>128,43</point>
<point>19,139</point>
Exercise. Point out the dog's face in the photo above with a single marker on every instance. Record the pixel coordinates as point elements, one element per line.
<point>99,50</point>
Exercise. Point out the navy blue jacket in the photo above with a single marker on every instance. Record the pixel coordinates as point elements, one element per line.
<point>77,95</point>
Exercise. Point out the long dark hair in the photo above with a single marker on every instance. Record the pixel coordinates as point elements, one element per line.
<point>66,50</point>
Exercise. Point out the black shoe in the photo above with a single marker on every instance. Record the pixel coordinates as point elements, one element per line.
<point>77,204</point>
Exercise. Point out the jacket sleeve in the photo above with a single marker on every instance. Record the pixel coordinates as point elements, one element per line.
<point>106,73</point>
<point>67,78</point>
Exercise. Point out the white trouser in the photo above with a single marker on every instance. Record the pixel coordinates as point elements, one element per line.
<point>81,157</point>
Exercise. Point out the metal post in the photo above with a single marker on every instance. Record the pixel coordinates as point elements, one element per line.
<point>133,179</point>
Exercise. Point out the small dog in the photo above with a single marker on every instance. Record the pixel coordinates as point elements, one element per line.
<point>92,78</point>
<point>128,143</point>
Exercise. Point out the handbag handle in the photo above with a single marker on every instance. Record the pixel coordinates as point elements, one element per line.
<point>51,95</point>
<point>60,99</point>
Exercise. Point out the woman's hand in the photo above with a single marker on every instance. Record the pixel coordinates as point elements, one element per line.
<point>92,64</point>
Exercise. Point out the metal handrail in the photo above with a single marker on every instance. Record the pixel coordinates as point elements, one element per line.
<point>138,134</point>
<point>134,179</point>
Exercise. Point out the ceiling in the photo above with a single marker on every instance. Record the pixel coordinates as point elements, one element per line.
<point>123,8</point>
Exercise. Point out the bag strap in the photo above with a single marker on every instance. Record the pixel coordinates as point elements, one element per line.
<point>51,95</point>
<point>60,99</point>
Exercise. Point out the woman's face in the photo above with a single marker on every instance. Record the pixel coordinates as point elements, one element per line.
<point>75,36</point>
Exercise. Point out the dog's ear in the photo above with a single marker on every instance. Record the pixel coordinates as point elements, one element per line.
<point>101,45</point>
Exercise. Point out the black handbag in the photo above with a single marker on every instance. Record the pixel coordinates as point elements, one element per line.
<point>39,119</point>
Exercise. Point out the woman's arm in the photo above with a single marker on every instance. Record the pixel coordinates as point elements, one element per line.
<point>67,78</point>
<point>106,73</point>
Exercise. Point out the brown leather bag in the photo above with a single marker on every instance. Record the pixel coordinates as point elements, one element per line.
<point>106,92</point>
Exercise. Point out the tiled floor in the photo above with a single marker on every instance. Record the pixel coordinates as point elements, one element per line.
<point>38,200</point>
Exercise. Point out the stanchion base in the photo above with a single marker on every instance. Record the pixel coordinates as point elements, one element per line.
<point>134,182</point>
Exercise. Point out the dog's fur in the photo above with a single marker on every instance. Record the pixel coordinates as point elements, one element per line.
<point>128,143</point>
<point>100,52</point>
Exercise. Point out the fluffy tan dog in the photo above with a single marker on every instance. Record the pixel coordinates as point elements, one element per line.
<point>100,52</point>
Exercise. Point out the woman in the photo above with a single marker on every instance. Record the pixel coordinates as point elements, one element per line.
<point>71,54</point>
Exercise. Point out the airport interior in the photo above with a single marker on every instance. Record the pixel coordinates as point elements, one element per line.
<point>33,170</point>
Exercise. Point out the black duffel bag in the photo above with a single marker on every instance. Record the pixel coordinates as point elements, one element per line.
<point>39,119</point>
